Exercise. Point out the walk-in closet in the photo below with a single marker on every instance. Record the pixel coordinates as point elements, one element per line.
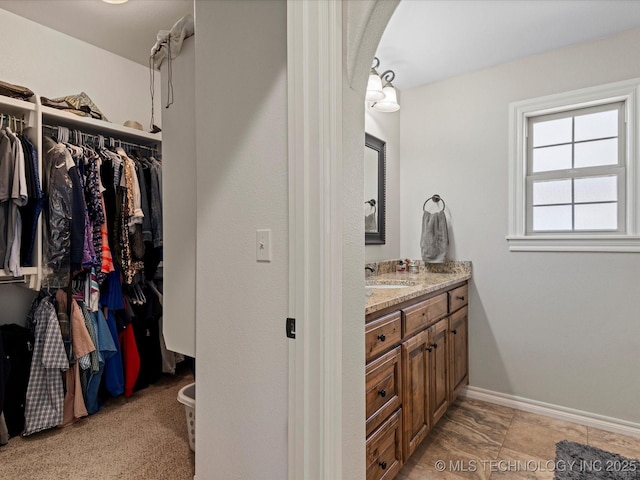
<point>89,376</point>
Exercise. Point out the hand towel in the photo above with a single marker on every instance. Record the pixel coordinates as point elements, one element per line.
<point>370,223</point>
<point>435,237</point>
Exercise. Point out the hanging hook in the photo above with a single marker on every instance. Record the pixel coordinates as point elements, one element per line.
<point>376,63</point>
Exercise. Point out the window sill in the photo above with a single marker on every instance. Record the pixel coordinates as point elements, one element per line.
<point>564,243</point>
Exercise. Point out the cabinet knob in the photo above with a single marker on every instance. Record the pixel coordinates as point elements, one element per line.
<point>383,465</point>
<point>382,393</point>
<point>382,337</point>
<point>454,331</point>
<point>460,297</point>
<point>429,348</point>
<point>435,345</point>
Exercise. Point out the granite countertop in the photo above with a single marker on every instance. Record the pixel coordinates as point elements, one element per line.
<point>430,279</point>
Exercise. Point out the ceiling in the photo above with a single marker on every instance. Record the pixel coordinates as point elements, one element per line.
<point>425,41</point>
<point>430,40</point>
<point>128,30</point>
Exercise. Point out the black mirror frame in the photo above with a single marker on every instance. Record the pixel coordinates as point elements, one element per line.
<point>380,146</point>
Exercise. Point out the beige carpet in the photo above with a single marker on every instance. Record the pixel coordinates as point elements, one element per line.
<point>140,438</point>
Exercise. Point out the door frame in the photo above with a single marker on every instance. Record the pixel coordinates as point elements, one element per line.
<point>330,46</point>
<point>314,73</point>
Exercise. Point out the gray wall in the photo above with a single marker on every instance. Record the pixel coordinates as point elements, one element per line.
<point>560,328</point>
<point>241,305</point>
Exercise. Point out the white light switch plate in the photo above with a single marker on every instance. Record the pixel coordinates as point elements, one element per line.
<point>263,245</point>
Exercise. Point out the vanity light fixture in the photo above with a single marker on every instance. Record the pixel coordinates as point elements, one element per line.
<point>381,98</point>
<point>374,85</point>
<point>390,101</point>
<point>115,2</point>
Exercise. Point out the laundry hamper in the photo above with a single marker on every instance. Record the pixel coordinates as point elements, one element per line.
<point>187,397</point>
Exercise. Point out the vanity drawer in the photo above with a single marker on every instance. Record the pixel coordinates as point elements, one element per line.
<point>383,388</point>
<point>384,451</point>
<point>458,297</point>
<point>423,314</point>
<point>381,335</point>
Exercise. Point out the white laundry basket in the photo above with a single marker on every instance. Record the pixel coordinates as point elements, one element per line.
<point>187,397</point>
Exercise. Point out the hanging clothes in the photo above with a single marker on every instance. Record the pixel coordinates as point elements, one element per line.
<point>6,178</point>
<point>30,212</point>
<point>58,213</point>
<point>18,346</point>
<point>18,199</point>
<point>45,392</point>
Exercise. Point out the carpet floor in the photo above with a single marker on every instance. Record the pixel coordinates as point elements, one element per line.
<point>143,437</point>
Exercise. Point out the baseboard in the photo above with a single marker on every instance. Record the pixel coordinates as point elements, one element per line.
<point>555,411</point>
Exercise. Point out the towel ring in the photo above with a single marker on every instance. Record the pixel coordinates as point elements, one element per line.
<point>435,198</point>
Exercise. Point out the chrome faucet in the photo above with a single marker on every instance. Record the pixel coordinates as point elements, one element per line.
<point>371,269</point>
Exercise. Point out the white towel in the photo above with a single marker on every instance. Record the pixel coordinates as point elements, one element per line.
<point>435,237</point>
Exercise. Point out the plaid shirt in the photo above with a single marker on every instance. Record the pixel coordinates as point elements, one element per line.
<point>45,393</point>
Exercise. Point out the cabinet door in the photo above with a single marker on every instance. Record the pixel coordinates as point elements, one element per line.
<point>415,398</point>
<point>458,346</point>
<point>439,359</point>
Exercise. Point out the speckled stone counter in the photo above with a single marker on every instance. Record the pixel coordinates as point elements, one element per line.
<point>431,278</point>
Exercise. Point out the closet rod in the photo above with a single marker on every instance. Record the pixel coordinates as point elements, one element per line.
<point>97,138</point>
<point>10,118</point>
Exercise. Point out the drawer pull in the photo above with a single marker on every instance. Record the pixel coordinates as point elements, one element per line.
<point>382,337</point>
<point>454,331</point>
<point>460,297</point>
<point>382,393</point>
<point>383,465</point>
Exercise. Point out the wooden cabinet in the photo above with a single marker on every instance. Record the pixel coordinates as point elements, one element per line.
<point>459,351</point>
<point>439,358</point>
<point>415,396</point>
<point>425,364</point>
<point>384,453</point>
<point>422,314</point>
<point>383,388</point>
<point>381,335</point>
<point>417,362</point>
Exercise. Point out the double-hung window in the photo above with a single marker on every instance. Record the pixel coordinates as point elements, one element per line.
<point>574,171</point>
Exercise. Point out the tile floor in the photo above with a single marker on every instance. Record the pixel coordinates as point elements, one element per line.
<point>479,440</point>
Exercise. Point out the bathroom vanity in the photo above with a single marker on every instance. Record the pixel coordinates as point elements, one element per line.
<point>416,349</point>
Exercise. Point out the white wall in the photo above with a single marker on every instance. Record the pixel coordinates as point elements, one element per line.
<point>242,184</point>
<point>179,203</point>
<point>54,64</point>
<point>386,126</point>
<point>560,328</point>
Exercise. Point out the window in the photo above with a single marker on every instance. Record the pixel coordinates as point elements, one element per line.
<point>574,171</point>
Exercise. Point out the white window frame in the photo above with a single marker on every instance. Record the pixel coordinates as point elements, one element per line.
<point>519,112</point>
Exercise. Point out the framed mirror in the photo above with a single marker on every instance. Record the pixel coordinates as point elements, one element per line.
<point>375,156</point>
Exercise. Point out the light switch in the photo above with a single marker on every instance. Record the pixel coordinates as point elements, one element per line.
<point>263,245</point>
